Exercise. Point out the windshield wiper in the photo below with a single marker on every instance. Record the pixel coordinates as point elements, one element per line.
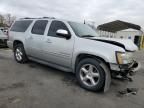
<point>87,36</point>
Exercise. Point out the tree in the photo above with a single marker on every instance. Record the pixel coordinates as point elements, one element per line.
<point>1,20</point>
<point>9,19</point>
<point>6,20</point>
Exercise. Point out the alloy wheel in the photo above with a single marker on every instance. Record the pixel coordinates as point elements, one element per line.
<point>89,75</point>
<point>18,54</point>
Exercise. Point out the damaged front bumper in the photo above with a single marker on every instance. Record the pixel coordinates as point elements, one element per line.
<point>125,69</point>
<point>134,66</point>
<point>122,70</point>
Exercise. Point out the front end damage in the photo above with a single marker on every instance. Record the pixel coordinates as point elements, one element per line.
<point>130,69</point>
<point>121,71</point>
<point>125,70</point>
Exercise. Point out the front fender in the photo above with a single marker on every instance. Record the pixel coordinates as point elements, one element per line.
<point>90,54</point>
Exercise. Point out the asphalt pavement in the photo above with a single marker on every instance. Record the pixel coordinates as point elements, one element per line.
<point>33,85</point>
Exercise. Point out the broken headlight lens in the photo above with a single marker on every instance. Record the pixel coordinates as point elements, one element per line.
<point>124,58</point>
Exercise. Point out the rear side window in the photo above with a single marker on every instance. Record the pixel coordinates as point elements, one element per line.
<point>21,26</point>
<point>39,27</point>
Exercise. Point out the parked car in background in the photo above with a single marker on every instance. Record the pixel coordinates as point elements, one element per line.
<point>3,39</point>
<point>5,32</point>
<point>72,47</point>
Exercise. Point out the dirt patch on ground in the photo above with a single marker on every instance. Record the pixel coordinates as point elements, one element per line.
<point>3,58</point>
<point>69,79</point>
<point>7,102</point>
<point>12,86</point>
<point>32,65</point>
<point>3,106</point>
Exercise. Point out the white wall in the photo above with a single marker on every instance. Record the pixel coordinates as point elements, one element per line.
<point>126,34</point>
<point>106,34</point>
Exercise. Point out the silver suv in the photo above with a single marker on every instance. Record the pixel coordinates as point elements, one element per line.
<point>72,47</point>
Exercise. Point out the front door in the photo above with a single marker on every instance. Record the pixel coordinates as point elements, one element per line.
<point>58,50</point>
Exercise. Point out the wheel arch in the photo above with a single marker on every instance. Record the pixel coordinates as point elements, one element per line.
<point>16,42</point>
<point>84,56</point>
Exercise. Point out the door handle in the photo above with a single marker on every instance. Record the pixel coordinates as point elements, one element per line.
<point>48,41</point>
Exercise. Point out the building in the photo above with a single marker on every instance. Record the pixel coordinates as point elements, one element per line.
<point>122,30</point>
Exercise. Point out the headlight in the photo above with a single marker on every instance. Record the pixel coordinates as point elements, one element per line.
<point>124,58</point>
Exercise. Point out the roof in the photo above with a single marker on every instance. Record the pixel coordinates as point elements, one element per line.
<point>41,18</point>
<point>117,26</point>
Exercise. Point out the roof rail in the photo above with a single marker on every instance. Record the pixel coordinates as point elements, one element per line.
<point>49,17</point>
<point>27,18</point>
<point>38,18</point>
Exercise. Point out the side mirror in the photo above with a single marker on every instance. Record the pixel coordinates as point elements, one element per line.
<point>63,33</point>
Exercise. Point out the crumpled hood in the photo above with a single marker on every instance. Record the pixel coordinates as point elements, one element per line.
<point>127,44</point>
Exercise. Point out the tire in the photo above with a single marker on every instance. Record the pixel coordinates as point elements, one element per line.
<point>86,76</point>
<point>19,54</point>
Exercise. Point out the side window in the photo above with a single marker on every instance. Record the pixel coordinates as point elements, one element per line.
<point>39,27</point>
<point>55,25</point>
<point>21,26</point>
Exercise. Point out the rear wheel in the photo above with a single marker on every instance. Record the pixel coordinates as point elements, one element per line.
<point>19,54</point>
<point>90,74</point>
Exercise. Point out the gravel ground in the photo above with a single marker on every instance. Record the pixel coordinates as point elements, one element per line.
<point>33,85</point>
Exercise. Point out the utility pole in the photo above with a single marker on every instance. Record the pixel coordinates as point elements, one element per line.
<point>84,22</point>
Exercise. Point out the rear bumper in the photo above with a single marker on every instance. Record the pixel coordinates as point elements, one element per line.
<point>131,67</point>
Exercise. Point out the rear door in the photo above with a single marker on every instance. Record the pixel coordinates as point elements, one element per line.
<point>58,50</point>
<point>35,38</point>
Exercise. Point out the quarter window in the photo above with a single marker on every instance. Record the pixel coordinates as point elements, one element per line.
<point>39,27</point>
<point>21,26</point>
<point>56,25</point>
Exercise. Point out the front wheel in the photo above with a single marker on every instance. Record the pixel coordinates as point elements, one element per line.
<point>90,74</point>
<point>19,54</point>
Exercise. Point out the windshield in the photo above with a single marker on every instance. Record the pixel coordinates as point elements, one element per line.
<point>82,30</point>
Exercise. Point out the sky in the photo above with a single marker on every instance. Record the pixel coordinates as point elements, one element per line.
<point>98,11</point>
